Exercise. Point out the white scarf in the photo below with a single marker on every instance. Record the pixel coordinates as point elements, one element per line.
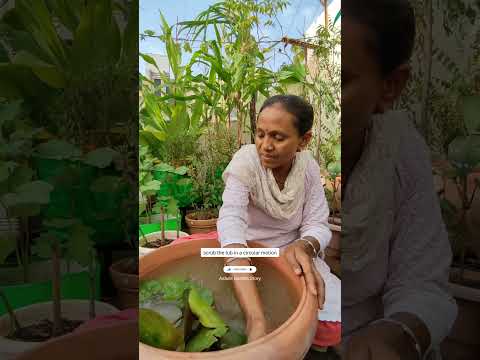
<point>264,190</point>
<point>368,203</point>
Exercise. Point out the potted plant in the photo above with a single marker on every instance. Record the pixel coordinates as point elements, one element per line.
<point>213,154</point>
<point>166,205</point>
<point>461,177</point>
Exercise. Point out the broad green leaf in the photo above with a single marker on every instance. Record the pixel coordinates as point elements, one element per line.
<point>151,187</point>
<point>80,245</point>
<point>46,72</point>
<point>464,152</point>
<point>202,340</point>
<point>106,184</point>
<point>182,170</point>
<point>165,167</point>
<point>334,168</point>
<point>232,339</point>
<point>58,149</point>
<point>101,157</point>
<point>35,193</point>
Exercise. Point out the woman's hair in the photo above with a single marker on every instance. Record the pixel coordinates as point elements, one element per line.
<point>392,25</point>
<point>295,105</point>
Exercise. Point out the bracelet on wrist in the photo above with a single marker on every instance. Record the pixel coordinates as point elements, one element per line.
<point>315,253</point>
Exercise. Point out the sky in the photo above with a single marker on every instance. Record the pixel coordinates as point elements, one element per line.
<point>294,21</point>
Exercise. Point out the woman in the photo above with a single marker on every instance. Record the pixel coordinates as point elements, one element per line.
<point>274,195</point>
<point>395,250</point>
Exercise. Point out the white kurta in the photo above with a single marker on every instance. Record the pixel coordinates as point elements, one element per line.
<point>241,221</point>
<point>390,205</point>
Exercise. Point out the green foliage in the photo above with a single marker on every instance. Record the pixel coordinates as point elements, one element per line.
<point>89,63</point>
<point>172,289</point>
<point>213,155</point>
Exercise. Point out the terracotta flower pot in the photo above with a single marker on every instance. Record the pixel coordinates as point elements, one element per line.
<point>169,235</point>
<point>200,226</point>
<point>71,310</point>
<point>126,284</point>
<point>290,340</point>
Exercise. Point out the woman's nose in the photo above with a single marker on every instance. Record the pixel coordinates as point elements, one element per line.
<point>267,145</point>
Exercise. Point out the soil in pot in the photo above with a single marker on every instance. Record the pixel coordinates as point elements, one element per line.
<point>154,240</point>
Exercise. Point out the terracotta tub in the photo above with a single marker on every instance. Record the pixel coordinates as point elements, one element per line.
<point>291,326</point>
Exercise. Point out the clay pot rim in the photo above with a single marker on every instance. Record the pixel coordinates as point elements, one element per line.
<point>304,298</point>
<point>195,222</point>
<point>114,272</point>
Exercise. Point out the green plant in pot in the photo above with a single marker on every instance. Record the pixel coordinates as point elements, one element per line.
<point>22,196</point>
<point>333,184</point>
<point>464,158</point>
<point>208,187</point>
<point>165,205</point>
<point>171,113</point>
<point>70,239</point>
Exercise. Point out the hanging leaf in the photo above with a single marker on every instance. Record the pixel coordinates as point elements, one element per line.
<point>101,157</point>
<point>58,149</point>
<point>80,244</point>
<point>106,184</point>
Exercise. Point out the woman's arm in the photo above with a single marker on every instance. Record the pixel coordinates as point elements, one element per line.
<point>315,210</point>
<point>248,297</point>
<point>232,227</point>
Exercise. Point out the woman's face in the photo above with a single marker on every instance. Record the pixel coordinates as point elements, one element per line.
<point>277,139</point>
<point>362,83</point>
<point>365,90</point>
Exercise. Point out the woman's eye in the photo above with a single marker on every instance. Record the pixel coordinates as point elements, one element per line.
<point>260,135</point>
<point>279,138</point>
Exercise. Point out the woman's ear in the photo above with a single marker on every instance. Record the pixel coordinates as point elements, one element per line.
<point>305,141</point>
<point>393,86</point>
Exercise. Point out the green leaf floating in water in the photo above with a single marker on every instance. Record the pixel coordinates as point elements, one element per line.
<point>155,330</point>
<point>232,339</point>
<point>204,339</point>
<point>172,289</point>
<point>207,316</point>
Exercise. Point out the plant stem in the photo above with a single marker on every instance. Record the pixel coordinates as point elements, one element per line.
<point>179,216</point>
<point>162,225</point>
<point>26,247</point>
<point>57,311</point>
<point>91,273</point>
<point>14,324</point>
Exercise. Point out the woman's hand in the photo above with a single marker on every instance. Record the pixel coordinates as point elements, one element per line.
<point>256,328</point>
<point>299,256</point>
<point>382,341</point>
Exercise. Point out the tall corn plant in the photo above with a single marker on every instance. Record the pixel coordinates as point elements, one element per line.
<point>78,49</point>
<point>235,61</point>
<point>171,114</point>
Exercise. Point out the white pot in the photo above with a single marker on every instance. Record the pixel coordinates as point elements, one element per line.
<point>71,310</point>
<point>170,235</point>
